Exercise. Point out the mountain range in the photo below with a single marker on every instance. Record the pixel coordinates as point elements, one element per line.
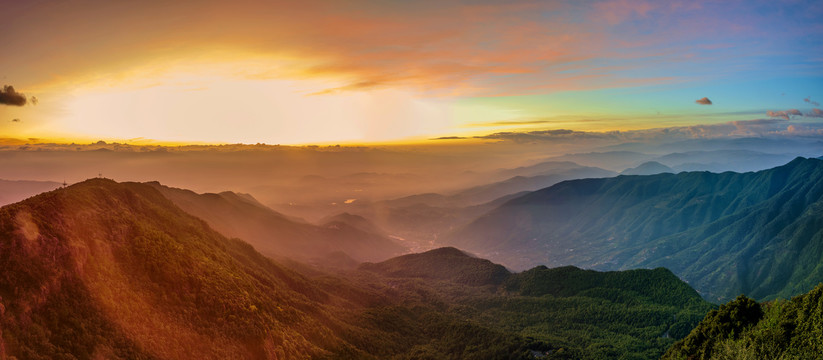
<point>274,234</point>
<point>424,217</point>
<point>117,270</point>
<point>758,233</point>
<point>736,158</point>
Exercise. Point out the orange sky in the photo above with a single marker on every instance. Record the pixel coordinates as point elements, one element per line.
<point>326,71</point>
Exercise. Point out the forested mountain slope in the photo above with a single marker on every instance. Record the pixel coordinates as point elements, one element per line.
<point>757,233</point>
<point>744,329</point>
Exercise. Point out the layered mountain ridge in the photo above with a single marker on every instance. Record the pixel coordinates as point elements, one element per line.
<point>275,234</point>
<point>116,270</point>
<point>757,233</point>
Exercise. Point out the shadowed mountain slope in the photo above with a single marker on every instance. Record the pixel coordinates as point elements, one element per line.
<point>755,233</point>
<point>423,218</point>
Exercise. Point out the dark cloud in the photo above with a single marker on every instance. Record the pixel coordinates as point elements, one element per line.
<point>784,114</point>
<point>8,96</point>
<point>450,138</point>
<point>547,135</point>
<point>15,120</point>
<point>777,126</point>
<point>809,100</point>
<point>703,101</point>
<point>815,113</point>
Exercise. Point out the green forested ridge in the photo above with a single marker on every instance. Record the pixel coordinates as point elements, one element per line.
<point>587,314</point>
<point>443,264</point>
<point>744,329</point>
<point>759,233</point>
<point>659,285</point>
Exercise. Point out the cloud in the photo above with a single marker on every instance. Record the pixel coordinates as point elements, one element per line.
<point>15,120</point>
<point>808,99</point>
<point>561,135</point>
<point>784,114</point>
<point>450,138</point>
<point>733,129</point>
<point>703,101</point>
<point>815,113</point>
<point>8,96</point>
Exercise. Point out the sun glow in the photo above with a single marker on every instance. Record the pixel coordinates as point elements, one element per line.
<point>220,108</point>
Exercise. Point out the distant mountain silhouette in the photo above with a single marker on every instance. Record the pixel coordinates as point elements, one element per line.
<point>747,158</point>
<point>755,233</point>
<point>541,175</point>
<point>723,160</point>
<point>12,191</point>
<point>541,168</point>
<point>648,168</point>
<point>355,221</point>
<point>611,160</point>
<point>485,193</point>
<point>275,234</point>
<point>425,217</point>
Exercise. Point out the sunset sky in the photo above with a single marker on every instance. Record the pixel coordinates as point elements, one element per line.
<point>298,72</point>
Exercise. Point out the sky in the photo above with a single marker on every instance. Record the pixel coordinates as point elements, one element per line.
<point>300,72</point>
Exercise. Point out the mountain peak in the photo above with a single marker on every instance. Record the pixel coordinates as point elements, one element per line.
<point>446,251</point>
<point>446,263</point>
<point>648,168</point>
